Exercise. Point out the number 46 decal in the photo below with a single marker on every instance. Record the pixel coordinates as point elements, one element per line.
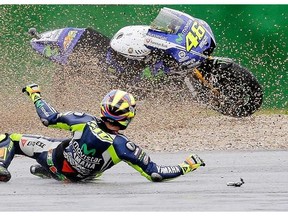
<point>194,36</point>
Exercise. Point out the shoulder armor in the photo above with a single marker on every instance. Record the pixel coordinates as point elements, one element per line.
<point>78,114</point>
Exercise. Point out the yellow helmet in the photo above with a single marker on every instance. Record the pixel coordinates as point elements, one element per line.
<point>119,108</point>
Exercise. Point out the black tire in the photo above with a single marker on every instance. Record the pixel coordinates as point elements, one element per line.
<point>240,94</point>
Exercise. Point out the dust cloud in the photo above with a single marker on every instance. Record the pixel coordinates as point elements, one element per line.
<point>165,120</point>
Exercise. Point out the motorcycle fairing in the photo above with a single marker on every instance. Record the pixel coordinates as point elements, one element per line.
<point>184,37</point>
<point>58,44</point>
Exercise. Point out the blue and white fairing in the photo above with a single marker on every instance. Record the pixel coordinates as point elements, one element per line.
<point>57,45</point>
<point>185,38</point>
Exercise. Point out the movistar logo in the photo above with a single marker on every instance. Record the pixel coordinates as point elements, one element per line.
<point>86,151</point>
<point>180,38</point>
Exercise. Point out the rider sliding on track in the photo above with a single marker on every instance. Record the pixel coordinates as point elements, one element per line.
<point>96,144</point>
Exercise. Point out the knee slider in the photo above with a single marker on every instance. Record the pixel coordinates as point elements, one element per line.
<point>156,177</point>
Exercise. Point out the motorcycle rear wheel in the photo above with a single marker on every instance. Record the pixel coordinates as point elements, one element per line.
<point>233,90</point>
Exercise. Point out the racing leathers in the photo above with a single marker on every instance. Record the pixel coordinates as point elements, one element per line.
<point>92,149</point>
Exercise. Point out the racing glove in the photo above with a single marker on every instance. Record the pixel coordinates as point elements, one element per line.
<point>33,91</point>
<point>191,163</point>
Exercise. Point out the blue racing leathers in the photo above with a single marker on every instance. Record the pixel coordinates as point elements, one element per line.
<point>92,149</point>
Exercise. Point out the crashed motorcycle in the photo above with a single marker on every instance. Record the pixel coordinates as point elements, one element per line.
<point>175,47</point>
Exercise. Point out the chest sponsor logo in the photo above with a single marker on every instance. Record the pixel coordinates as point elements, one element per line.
<point>86,151</point>
<point>79,158</point>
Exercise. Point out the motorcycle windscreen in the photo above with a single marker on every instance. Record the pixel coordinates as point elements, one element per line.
<point>184,37</point>
<point>166,22</point>
<point>57,45</point>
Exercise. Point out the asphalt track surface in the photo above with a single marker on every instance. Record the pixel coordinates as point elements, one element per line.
<point>123,189</point>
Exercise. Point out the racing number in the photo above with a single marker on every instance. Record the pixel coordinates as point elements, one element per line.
<point>99,133</point>
<point>194,36</point>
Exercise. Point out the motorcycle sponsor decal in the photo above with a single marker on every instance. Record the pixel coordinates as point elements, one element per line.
<point>185,29</point>
<point>181,54</point>
<point>192,61</point>
<point>69,38</point>
<point>51,50</point>
<point>203,42</point>
<point>158,44</point>
<point>193,37</point>
<point>179,39</point>
<point>168,169</point>
<point>156,36</point>
<point>185,58</point>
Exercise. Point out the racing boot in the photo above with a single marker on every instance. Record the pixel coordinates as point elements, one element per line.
<point>7,151</point>
<point>39,171</point>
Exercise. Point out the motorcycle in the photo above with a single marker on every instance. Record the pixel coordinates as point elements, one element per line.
<point>175,47</point>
